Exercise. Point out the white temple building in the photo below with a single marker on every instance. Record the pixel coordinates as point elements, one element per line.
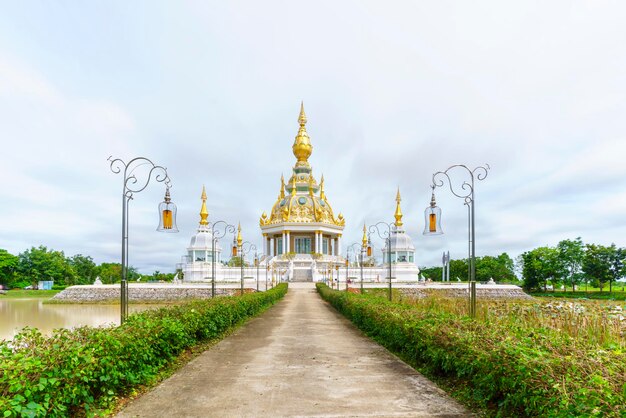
<point>301,237</point>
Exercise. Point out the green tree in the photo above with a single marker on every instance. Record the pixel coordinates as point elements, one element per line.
<point>531,271</point>
<point>40,263</point>
<point>571,253</point>
<point>8,267</point>
<point>112,273</point>
<point>235,262</point>
<point>499,268</point>
<point>597,264</point>
<point>166,277</point>
<point>84,267</point>
<point>433,273</point>
<point>540,266</point>
<point>458,268</point>
<point>617,261</point>
<point>109,272</point>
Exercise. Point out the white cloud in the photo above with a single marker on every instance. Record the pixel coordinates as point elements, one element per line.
<point>394,92</point>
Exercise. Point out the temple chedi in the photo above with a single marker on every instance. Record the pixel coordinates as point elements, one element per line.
<point>302,234</point>
<point>301,238</point>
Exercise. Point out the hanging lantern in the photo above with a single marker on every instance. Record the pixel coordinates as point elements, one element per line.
<point>347,262</point>
<point>432,217</point>
<point>369,248</point>
<point>167,214</point>
<point>234,253</point>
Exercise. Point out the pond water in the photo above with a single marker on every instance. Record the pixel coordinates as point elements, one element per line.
<point>16,314</point>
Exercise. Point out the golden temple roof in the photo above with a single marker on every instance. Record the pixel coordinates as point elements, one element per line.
<point>306,201</point>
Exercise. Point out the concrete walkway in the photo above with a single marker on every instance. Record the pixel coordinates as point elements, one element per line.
<point>300,358</point>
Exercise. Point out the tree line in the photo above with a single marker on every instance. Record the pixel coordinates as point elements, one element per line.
<point>571,263</point>
<point>41,264</point>
<point>501,268</point>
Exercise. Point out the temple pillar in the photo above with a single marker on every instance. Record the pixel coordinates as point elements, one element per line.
<point>284,243</point>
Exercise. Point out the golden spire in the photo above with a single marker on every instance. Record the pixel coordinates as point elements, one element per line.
<point>302,117</point>
<point>282,187</point>
<point>204,213</point>
<point>302,147</point>
<point>322,194</point>
<point>239,239</point>
<point>364,242</point>
<point>398,214</point>
<point>293,184</point>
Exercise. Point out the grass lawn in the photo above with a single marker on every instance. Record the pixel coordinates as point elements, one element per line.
<point>20,293</point>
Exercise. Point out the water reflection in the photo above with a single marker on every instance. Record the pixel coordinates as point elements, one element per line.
<point>16,314</point>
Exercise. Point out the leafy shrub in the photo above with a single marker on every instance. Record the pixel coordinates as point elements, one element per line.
<point>516,371</point>
<point>77,370</point>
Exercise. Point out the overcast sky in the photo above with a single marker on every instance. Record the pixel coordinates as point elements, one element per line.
<point>393,91</point>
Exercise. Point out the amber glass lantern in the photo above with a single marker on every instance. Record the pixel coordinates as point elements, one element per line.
<point>167,214</point>
<point>234,253</point>
<point>432,218</point>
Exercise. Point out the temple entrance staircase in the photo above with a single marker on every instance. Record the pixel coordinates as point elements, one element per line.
<point>302,274</point>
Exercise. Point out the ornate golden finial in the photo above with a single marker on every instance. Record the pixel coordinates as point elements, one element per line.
<point>282,187</point>
<point>364,241</point>
<point>302,147</point>
<point>398,214</point>
<point>302,118</point>
<point>293,184</point>
<point>204,213</point>
<point>239,239</point>
<point>322,194</point>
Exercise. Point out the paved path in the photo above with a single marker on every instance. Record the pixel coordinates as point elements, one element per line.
<point>300,358</point>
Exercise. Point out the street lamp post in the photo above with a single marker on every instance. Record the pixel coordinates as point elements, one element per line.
<point>347,266</point>
<point>241,248</point>
<point>215,235</point>
<point>256,263</point>
<point>135,182</point>
<point>465,192</point>
<point>386,235</point>
<point>361,248</point>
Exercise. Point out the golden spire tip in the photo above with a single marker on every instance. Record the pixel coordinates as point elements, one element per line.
<point>302,118</point>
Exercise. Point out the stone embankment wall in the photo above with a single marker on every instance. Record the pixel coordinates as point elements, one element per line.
<point>86,294</point>
<point>512,292</point>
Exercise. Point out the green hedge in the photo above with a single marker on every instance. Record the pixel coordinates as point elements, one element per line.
<point>511,371</point>
<point>77,370</point>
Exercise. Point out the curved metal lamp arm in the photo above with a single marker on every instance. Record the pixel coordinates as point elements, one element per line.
<point>385,234</point>
<point>132,183</point>
<point>466,191</point>
<point>351,248</point>
<point>251,247</point>
<point>228,229</point>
